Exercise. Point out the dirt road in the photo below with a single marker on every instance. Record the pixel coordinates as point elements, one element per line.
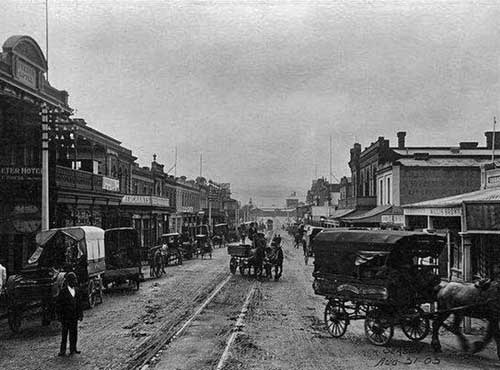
<point>281,329</point>
<point>285,330</point>
<point>112,333</point>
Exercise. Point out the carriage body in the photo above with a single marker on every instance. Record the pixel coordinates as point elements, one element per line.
<point>381,276</point>
<point>78,249</point>
<point>241,255</point>
<point>123,257</point>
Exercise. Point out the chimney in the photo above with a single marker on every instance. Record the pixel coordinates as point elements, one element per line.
<point>401,139</point>
<point>489,139</point>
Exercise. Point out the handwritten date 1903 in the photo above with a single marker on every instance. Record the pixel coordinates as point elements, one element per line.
<point>384,361</point>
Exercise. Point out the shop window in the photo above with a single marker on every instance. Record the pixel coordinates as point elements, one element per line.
<point>388,190</point>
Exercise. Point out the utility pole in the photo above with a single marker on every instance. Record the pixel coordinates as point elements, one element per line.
<point>330,159</point>
<point>45,167</point>
<point>201,164</point>
<point>493,140</point>
<point>47,36</point>
<point>175,163</point>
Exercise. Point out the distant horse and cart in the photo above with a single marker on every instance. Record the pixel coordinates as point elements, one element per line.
<point>255,258</point>
<point>386,279</point>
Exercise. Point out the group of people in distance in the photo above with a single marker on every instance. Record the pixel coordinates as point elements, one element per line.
<point>265,256</point>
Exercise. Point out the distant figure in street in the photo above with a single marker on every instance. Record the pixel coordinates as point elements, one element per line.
<point>69,310</point>
<point>278,261</point>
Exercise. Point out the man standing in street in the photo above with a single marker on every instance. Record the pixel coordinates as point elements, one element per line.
<point>70,310</point>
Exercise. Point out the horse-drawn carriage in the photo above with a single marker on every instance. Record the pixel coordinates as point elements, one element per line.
<point>203,245</point>
<point>169,251</point>
<point>123,258</point>
<point>60,251</point>
<point>221,235</point>
<point>257,256</point>
<point>383,277</point>
<point>241,255</point>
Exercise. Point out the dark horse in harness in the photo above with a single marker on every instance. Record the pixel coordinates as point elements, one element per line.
<point>479,300</point>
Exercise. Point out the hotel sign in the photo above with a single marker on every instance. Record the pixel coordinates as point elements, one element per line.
<point>20,173</point>
<point>25,73</point>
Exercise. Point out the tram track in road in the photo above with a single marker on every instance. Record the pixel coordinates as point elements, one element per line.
<point>171,330</point>
<point>237,329</point>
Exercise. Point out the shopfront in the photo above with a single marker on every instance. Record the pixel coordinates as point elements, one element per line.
<point>149,215</point>
<point>23,89</point>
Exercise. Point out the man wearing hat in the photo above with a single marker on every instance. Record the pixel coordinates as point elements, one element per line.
<point>70,310</point>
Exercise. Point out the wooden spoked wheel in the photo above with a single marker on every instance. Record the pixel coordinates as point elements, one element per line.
<point>336,318</point>
<point>233,264</point>
<point>415,326</point>
<point>379,328</point>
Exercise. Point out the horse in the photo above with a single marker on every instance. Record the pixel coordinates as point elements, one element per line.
<point>479,300</point>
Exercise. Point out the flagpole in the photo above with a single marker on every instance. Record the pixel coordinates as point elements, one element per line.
<point>493,141</point>
<point>47,36</point>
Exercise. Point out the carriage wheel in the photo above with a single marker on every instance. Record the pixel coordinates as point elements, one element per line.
<point>379,328</point>
<point>415,326</point>
<point>134,284</point>
<point>15,319</point>
<point>336,318</point>
<point>46,314</point>
<point>94,293</point>
<point>157,271</point>
<point>233,265</point>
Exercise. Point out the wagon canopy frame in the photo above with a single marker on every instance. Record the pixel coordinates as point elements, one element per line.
<point>89,241</point>
<point>342,251</point>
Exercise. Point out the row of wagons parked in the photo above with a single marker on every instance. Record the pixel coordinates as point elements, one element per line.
<point>101,259</point>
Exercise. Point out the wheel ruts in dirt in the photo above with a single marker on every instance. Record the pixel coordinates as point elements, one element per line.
<point>336,318</point>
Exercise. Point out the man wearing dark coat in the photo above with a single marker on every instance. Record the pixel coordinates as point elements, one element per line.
<point>69,310</point>
<point>278,261</point>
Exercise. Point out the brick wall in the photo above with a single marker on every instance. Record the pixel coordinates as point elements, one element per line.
<point>424,183</point>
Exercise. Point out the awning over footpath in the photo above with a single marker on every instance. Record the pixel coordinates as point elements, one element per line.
<point>340,213</point>
<point>368,217</point>
<point>492,194</point>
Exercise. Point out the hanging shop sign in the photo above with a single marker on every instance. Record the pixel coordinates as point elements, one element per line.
<point>26,218</point>
<point>110,184</point>
<point>185,209</point>
<point>145,200</point>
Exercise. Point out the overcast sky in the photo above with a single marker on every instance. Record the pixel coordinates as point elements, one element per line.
<point>258,87</point>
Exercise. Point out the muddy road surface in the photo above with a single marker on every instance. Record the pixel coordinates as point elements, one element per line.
<point>199,316</point>
<point>112,334</point>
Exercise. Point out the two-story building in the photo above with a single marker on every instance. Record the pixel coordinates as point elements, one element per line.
<point>390,177</point>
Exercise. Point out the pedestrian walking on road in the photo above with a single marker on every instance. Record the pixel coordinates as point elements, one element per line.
<point>278,262</point>
<point>70,310</point>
